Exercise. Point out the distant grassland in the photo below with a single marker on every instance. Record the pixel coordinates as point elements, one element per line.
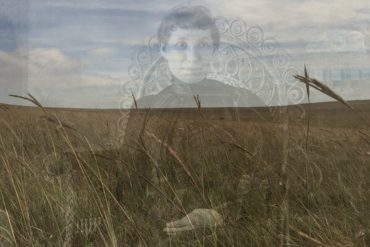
<point>54,192</point>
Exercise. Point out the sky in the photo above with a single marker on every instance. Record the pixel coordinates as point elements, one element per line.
<point>70,53</point>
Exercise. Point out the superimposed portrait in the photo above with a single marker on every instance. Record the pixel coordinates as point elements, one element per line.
<point>200,94</point>
<point>194,53</point>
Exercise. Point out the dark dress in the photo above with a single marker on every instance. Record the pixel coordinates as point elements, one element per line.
<point>211,94</point>
<point>186,157</point>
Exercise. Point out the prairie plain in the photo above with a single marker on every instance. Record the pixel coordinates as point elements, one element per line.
<point>296,175</point>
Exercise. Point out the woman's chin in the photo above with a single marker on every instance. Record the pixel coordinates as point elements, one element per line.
<point>191,80</point>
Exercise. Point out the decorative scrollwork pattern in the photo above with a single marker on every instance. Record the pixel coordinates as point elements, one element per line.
<point>244,58</point>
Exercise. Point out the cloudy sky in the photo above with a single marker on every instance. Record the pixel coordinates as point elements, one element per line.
<point>73,53</point>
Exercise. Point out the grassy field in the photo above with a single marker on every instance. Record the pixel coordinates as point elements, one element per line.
<point>273,184</point>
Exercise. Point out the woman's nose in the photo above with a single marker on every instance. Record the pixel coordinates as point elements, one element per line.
<point>192,54</point>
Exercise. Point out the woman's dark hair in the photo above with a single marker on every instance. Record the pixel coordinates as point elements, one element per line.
<point>192,17</point>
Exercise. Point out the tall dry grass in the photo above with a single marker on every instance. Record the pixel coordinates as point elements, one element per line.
<point>58,189</point>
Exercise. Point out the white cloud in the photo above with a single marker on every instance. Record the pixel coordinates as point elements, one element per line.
<point>294,20</point>
<point>13,76</point>
<point>105,4</point>
<point>51,60</point>
<point>12,59</point>
<point>55,79</point>
<point>290,12</point>
<point>62,79</point>
<point>102,52</point>
<point>339,41</point>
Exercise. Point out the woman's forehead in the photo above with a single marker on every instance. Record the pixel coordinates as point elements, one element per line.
<point>190,34</point>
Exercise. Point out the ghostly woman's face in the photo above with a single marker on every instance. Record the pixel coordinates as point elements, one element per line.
<point>189,53</point>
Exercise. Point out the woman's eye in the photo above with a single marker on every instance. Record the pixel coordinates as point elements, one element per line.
<point>182,45</point>
<point>204,45</point>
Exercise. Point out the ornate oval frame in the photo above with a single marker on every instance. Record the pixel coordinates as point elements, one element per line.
<point>245,58</point>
